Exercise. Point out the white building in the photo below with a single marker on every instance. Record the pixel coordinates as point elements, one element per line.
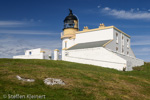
<point>35,54</point>
<point>56,54</point>
<point>105,46</point>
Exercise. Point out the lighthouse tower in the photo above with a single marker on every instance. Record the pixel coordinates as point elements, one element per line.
<point>69,32</point>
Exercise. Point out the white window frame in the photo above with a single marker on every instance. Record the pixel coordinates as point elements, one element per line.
<point>127,43</point>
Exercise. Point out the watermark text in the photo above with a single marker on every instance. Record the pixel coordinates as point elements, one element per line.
<point>20,96</point>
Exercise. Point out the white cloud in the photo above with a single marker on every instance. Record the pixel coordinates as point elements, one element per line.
<point>142,52</point>
<point>146,50</point>
<point>123,14</point>
<point>138,9</point>
<point>98,6</point>
<point>141,37</point>
<point>12,23</point>
<point>140,43</point>
<point>106,8</point>
<point>11,46</point>
<point>133,26</point>
<point>141,46</point>
<point>25,22</point>
<point>132,10</point>
<point>140,40</point>
<point>27,32</point>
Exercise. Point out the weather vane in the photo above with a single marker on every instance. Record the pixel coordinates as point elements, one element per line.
<point>70,11</point>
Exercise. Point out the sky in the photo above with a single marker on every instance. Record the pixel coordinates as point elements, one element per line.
<point>30,24</point>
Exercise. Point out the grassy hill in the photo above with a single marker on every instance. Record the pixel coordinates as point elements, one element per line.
<point>83,82</point>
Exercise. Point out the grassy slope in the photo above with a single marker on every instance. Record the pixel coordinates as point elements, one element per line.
<point>83,82</point>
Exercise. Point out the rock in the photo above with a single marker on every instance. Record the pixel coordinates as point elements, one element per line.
<point>18,77</point>
<point>53,81</point>
<point>23,79</point>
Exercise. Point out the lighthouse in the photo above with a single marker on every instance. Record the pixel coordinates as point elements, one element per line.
<point>105,46</point>
<point>71,26</point>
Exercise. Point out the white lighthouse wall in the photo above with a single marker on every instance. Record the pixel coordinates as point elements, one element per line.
<point>69,42</point>
<point>93,36</point>
<point>95,56</point>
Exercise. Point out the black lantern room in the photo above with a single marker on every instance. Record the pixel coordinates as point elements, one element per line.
<point>69,21</point>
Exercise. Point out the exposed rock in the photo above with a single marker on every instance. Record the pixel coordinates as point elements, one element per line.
<point>23,79</point>
<point>53,81</point>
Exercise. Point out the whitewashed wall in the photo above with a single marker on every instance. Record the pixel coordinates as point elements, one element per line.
<point>56,55</point>
<point>132,61</point>
<point>33,51</point>
<point>95,56</point>
<point>131,53</point>
<point>93,36</point>
<point>35,54</point>
<point>70,42</point>
<point>112,45</point>
<point>47,53</point>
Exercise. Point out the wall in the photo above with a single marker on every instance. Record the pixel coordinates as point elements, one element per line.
<point>94,56</point>
<point>47,53</point>
<point>34,51</point>
<point>93,36</point>
<point>112,45</point>
<point>131,61</point>
<point>35,54</point>
<point>70,42</point>
<point>56,54</point>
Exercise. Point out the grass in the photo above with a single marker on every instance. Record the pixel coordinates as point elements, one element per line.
<point>83,82</point>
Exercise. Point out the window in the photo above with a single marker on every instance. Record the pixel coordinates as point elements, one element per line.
<point>127,43</point>
<point>122,50</point>
<point>69,24</point>
<point>65,44</point>
<point>66,53</point>
<point>116,37</point>
<point>30,52</point>
<point>50,57</point>
<point>127,52</point>
<point>122,40</point>
<point>116,49</point>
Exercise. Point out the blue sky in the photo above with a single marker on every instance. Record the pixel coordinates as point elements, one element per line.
<point>28,24</point>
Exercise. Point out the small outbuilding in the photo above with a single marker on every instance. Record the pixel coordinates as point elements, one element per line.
<point>38,53</point>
